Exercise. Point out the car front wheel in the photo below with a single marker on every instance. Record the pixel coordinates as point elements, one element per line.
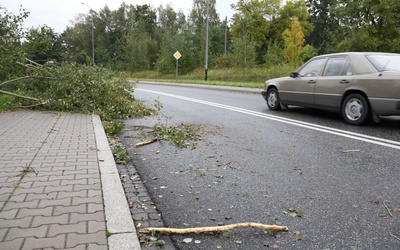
<point>273,99</point>
<point>355,109</point>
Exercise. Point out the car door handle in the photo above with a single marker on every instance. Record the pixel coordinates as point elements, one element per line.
<point>311,81</point>
<point>344,81</point>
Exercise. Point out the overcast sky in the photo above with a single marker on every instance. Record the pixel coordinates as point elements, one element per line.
<point>58,14</point>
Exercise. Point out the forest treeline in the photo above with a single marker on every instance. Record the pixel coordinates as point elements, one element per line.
<point>260,33</point>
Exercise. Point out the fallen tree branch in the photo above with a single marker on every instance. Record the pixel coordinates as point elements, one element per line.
<point>394,236</point>
<point>146,142</point>
<point>20,96</point>
<point>24,78</point>
<point>164,230</point>
<point>384,204</point>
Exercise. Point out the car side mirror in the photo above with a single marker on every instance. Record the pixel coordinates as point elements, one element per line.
<point>294,74</point>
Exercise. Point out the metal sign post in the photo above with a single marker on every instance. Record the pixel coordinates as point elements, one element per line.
<point>177,55</point>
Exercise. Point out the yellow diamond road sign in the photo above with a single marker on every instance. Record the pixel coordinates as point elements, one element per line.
<point>177,55</point>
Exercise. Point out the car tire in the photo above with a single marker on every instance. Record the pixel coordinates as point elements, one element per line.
<point>273,101</point>
<point>355,109</point>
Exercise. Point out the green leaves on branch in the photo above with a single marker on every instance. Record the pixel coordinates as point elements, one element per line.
<point>181,136</point>
<point>84,89</point>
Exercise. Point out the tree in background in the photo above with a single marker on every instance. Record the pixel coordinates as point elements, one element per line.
<point>140,37</point>
<point>253,20</point>
<point>43,45</point>
<point>265,21</point>
<point>10,39</point>
<point>295,51</point>
<point>173,37</point>
<point>244,53</point>
<point>370,25</point>
<point>196,32</point>
<point>327,30</point>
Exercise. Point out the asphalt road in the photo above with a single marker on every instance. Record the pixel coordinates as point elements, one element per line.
<point>335,186</point>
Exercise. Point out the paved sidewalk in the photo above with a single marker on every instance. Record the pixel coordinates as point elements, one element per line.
<point>59,186</point>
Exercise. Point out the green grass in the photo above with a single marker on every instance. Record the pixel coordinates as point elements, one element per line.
<point>5,101</point>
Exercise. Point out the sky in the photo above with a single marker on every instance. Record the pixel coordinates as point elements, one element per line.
<point>58,14</point>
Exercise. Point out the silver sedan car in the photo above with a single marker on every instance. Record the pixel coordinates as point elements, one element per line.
<point>357,84</point>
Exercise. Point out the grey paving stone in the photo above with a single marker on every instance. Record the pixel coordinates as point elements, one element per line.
<point>93,193</point>
<point>45,184</point>
<point>15,233</point>
<point>56,229</point>
<point>16,204</point>
<point>14,244</point>
<point>14,198</point>
<point>74,239</point>
<point>35,190</point>
<point>80,200</point>
<point>22,223</point>
<point>3,232</point>
<point>44,196</point>
<point>97,216</point>
<point>9,214</point>
<point>57,242</point>
<point>92,208</point>
<point>97,247</point>
<point>74,182</point>
<point>44,220</point>
<point>82,194</point>
<point>58,188</point>
<point>58,202</point>
<point>62,177</point>
<point>82,208</point>
<point>95,186</point>
<point>95,226</point>
<point>24,212</point>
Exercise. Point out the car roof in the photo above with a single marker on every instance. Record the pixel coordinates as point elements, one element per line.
<point>357,53</point>
<point>360,63</point>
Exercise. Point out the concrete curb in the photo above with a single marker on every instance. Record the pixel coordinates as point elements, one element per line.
<point>119,221</point>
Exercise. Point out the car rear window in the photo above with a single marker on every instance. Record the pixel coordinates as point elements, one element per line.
<point>385,62</point>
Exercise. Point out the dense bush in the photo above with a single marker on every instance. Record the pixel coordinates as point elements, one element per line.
<point>82,88</point>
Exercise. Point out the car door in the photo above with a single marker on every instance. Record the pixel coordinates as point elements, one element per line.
<point>300,90</point>
<point>336,77</point>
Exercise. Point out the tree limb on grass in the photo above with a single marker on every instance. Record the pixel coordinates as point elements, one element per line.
<point>164,230</point>
<point>20,96</point>
<point>24,78</point>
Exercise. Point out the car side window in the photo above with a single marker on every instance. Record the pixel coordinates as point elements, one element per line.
<point>312,68</point>
<point>338,66</point>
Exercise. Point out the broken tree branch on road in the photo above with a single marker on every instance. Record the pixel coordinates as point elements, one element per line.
<point>146,142</point>
<point>164,230</point>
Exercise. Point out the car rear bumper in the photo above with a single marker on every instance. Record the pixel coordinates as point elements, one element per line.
<point>382,106</point>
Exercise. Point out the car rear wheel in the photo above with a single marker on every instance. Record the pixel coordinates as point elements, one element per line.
<point>355,109</point>
<point>273,99</point>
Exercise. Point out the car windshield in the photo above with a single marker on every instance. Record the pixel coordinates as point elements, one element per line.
<point>385,62</point>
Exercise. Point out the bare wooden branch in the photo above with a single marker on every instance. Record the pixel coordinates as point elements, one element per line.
<point>394,236</point>
<point>384,204</point>
<point>34,105</point>
<point>33,62</point>
<point>24,78</point>
<point>20,96</point>
<point>164,230</point>
<point>146,142</point>
<point>27,65</point>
